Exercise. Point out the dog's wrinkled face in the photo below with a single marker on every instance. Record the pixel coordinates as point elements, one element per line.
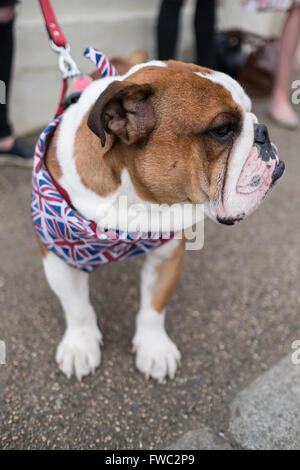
<point>253,168</point>
<point>187,134</point>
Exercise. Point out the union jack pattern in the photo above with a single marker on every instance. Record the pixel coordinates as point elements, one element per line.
<point>101,61</point>
<point>64,231</point>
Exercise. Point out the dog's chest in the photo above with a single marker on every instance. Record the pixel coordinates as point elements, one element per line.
<point>78,241</point>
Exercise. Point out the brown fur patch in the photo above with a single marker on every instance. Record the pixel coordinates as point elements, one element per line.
<point>169,272</point>
<point>95,75</point>
<point>180,162</point>
<point>124,110</point>
<point>187,67</point>
<point>123,64</point>
<point>51,160</point>
<point>98,170</point>
<point>42,247</point>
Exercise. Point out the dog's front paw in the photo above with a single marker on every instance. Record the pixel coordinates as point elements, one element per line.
<point>156,355</point>
<point>79,351</point>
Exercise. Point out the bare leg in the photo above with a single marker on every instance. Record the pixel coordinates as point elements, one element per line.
<point>156,354</point>
<point>6,16</point>
<point>280,107</point>
<point>6,13</point>
<point>79,350</point>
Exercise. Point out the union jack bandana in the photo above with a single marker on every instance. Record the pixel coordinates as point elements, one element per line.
<point>62,229</point>
<point>101,61</point>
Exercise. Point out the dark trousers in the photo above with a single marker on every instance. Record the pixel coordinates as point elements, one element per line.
<point>204,22</point>
<point>6,56</point>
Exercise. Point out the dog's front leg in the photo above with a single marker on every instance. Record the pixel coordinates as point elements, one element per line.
<point>156,354</point>
<point>79,349</point>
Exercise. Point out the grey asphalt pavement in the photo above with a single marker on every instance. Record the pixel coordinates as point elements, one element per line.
<point>234,315</point>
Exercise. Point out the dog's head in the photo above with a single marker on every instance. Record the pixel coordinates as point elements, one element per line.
<point>187,134</point>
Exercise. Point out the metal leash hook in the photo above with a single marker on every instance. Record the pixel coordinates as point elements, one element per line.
<point>58,44</point>
<point>66,63</point>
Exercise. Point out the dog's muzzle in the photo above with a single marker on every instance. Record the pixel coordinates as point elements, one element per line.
<point>260,172</point>
<point>267,150</point>
<point>263,166</point>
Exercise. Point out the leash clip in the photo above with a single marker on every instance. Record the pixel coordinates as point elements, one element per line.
<point>66,63</point>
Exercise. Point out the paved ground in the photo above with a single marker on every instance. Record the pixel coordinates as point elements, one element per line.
<point>234,315</point>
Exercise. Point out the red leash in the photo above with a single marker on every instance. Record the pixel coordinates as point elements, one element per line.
<point>59,44</point>
<point>53,28</point>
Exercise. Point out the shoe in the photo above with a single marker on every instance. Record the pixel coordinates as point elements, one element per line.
<point>20,154</point>
<point>291,122</point>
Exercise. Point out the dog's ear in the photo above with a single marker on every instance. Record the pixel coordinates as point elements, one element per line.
<point>124,110</point>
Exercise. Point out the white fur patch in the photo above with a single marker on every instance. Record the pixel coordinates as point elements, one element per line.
<point>230,206</point>
<point>130,213</point>
<point>79,350</point>
<point>237,92</point>
<point>135,68</point>
<point>156,354</point>
<point>237,159</point>
<point>239,152</point>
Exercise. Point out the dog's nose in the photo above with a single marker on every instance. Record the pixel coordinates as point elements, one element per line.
<point>261,134</point>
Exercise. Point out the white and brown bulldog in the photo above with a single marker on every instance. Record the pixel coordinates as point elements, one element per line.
<point>164,134</point>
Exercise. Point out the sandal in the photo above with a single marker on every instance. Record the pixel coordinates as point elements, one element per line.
<point>290,123</point>
<point>20,154</point>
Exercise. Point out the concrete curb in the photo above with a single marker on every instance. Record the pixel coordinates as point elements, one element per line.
<point>266,415</point>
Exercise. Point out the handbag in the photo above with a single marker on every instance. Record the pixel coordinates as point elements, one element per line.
<point>230,56</point>
<point>249,58</point>
<point>257,75</point>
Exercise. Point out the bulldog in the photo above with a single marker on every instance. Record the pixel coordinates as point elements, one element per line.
<point>163,134</point>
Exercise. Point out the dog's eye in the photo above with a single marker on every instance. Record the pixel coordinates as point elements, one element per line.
<point>224,133</point>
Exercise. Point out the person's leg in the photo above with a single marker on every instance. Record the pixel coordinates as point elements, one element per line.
<point>12,150</point>
<point>280,106</point>
<point>6,56</point>
<point>205,27</point>
<point>167,28</point>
